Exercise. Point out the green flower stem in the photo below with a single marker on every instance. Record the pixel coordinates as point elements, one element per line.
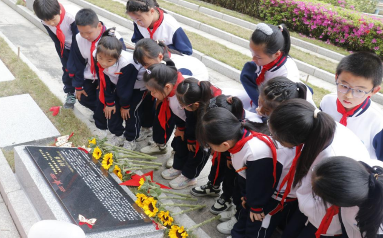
<point>134,156</point>
<point>174,193</point>
<point>178,198</point>
<point>129,151</point>
<point>141,162</point>
<point>179,205</point>
<point>138,168</point>
<point>203,223</point>
<point>188,210</point>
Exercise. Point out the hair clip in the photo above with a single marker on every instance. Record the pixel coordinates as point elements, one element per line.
<point>157,42</point>
<point>163,62</point>
<point>148,71</point>
<point>266,29</point>
<point>376,176</point>
<point>297,89</point>
<point>112,31</point>
<point>316,111</point>
<point>280,27</point>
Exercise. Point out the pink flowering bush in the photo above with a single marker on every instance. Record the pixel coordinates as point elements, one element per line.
<point>349,29</point>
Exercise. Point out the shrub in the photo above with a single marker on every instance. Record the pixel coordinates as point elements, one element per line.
<point>349,29</point>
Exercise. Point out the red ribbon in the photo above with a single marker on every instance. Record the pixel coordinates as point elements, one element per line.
<point>92,48</point>
<point>266,139</point>
<point>216,156</point>
<point>265,68</point>
<point>326,221</point>
<point>101,96</point>
<point>342,110</point>
<point>165,112</point>
<point>60,35</point>
<point>157,23</point>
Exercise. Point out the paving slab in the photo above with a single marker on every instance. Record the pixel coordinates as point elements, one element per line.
<point>24,122</point>
<point>6,75</point>
<point>7,227</point>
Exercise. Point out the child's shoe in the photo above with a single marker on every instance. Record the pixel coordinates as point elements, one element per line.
<point>228,214</point>
<point>227,226</point>
<point>69,101</point>
<point>220,205</point>
<point>170,173</point>
<point>144,133</point>
<point>155,149</point>
<point>182,182</point>
<point>130,145</point>
<point>206,190</point>
<point>170,161</point>
<point>117,140</point>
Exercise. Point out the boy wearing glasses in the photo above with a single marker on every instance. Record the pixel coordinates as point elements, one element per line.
<point>358,77</point>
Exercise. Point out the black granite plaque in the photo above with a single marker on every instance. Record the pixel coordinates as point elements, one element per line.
<point>83,189</point>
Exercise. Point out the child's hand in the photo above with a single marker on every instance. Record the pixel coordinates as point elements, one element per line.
<point>229,164</point>
<point>256,216</point>
<point>179,133</point>
<point>79,93</point>
<point>125,113</point>
<point>243,202</point>
<point>108,111</point>
<point>191,147</point>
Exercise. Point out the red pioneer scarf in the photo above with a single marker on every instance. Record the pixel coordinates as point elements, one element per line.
<point>342,110</point>
<point>157,23</point>
<point>92,48</point>
<point>59,33</point>
<point>265,68</point>
<point>102,84</point>
<point>326,221</point>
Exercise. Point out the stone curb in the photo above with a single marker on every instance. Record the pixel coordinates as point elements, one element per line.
<point>298,42</point>
<point>19,206</point>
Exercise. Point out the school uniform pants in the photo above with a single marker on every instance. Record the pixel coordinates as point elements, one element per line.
<point>220,173</point>
<point>149,111</point>
<point>67,81</point>
<point>297,228</point>
<point>90,101</point>
<point>115,123</point>
<point>191,163</point>
<point>261,229</point>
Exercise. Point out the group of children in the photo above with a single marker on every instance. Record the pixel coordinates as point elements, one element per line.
<point>281,161</point>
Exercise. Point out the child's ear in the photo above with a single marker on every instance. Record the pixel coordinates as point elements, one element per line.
<point>160,56</point>
<point>226,145</point>
<point>376,89</point>
<point>196,105</point>
<point>168,87</point>
<point>99,25</point>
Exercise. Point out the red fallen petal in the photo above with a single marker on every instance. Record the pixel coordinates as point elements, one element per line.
<point>55,110</point>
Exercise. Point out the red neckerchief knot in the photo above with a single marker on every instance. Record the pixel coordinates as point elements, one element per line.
<point>342,110</point>
<point>165,112</point>
<point>59,33</point>
<point>157,23</point>
<point>266,139</point>
<point>92,48</point>
<point>101,96</point>
<point>326,221</point>
<point>261,76</point>
<point>289,178</point>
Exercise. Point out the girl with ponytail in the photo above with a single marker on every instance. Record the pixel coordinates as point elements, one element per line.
<point>258,163</point>
<point>120,93</point>
<point>296,123</point>
<point>357,189</point>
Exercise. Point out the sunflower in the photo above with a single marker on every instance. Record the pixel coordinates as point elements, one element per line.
<point>150,207</point>
<point>107,161</point>
<point>177,232</point>
<point>97,153</point>
<point>92,142</point>
<point>141,199</point>
<point>117,171</point>
<point>165,218</point>
<point>142,181</point>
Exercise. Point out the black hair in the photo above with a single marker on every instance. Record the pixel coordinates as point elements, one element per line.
<point>87,17</point>
<point>46,9</point>
<point>149,48</point>
<point>278,40</point>
<point>293,122</point>
<point>191,90</point>
<point>158,75</point>
<point>279,89</point>
<point>363,64</point>
<point>233,104</point>
<point>109,44</point>
<point>219,125</point>
<point>345,182</point>
<point>140,5</point>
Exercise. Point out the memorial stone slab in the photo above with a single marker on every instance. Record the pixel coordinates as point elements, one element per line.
<point>5,74</point>
<point>64,183</point>
<point>24,122</point>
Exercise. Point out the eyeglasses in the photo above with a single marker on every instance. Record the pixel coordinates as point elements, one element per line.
<point>355,92</point>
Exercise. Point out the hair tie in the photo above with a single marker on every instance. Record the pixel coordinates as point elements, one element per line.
<point>112,32</point>
<point>148,71</point>
<point>266,29</point>
<point>373,177</point>
<point>280,27</point>
<point>163,62</point>
<point>158,42</point>
<point>316,111</point>
<point>229,100</point>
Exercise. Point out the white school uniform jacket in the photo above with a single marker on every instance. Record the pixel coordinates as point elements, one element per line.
<point>366,123</point>
<point>344,143</point>
<point>348,214</point>
<point>257,180</point>
<point>190,67</point>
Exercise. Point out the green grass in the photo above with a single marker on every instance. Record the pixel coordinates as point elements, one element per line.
<point>27,82</point>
